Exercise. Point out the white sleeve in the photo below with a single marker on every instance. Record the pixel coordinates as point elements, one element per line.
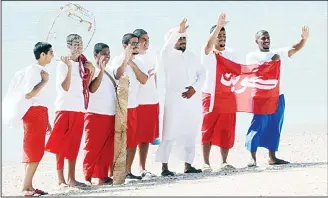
<point>32,78</point>
<point>250,59</point>
<point>61,73</point>
<point>205,59</point>
<point>141,65</point>
<point>116,63</point>
<point>171,41</point>
<point>200,73</point>
<point>283,52</point>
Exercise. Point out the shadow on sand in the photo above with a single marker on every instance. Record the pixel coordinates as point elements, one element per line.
<point>146,184</point>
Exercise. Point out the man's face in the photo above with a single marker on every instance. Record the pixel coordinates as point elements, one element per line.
<point>263,41</point>
<point>144,42</point>
<point>105,53</point>
<point>77,47</point>
<point>181,44</point>
<point>47,57</point>
<point>135,45</point>
<point>221,40</point>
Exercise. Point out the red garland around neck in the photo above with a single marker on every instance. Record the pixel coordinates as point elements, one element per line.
<point>85,75</point>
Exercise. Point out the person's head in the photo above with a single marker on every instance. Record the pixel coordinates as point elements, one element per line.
<point>131,39</point>
<point>101,49</point>
<point>262,39</point>
<point>221,39</point>
<point>75,44</point>
<point>181,44</point>
<point>143,40</point>
<point>43,52</point>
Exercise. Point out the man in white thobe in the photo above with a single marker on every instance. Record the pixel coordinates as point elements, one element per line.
<point>184,77</point>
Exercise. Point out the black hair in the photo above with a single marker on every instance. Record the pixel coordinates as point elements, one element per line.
<point>139,32</point>
<point>126,38</point>
<point>98,47</point>
<point>70,38</point>
<point>40,47</point>
<point>260,33</point>
<point>213,28</point>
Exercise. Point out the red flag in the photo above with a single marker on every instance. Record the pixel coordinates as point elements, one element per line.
<point>247,88</point>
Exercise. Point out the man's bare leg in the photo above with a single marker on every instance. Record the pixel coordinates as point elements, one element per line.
<point>143,152</point>
<point>60,173</point>
<point>252,162</point>
<point>131,152</point>
<point>71,175</point>
<point>273,160</point>
<point>206,156</point>
<point>30,169</point>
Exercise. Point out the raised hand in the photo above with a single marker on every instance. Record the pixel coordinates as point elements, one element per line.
<point>222,20</point>
<point>183,27</point>
<point>101,62</point>
<point>128,53</point>
<point>66,60</point>
<point>305,32</point>
<point>44,76</point>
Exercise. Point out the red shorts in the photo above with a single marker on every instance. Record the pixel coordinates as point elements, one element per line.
<point>217,128</point>
<point>132,135</point>
<point>35,123</point>
<point>99,145</point>
<point>66,136</point>
<point>148,121</point>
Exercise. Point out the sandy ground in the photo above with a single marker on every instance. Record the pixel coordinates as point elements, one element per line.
<point>306,175</point>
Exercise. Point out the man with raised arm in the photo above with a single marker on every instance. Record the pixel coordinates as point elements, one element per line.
<point>265,129</point>
<point>184,77</point>
<point>219,118</point>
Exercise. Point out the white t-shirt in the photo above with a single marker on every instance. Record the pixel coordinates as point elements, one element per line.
<point>148,92</point>
<point>209,61</point>
<point>134,83</point>
<point>103,101</point>
<point>259,57</point>
<point>14,104</point>
<point>32,78</point>
<point>73,99</point>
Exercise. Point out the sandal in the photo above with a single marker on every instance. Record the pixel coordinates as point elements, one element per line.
<point>41,192</point>
<point>78,184</point>
<point>193,170</point>
<point>31,194</point>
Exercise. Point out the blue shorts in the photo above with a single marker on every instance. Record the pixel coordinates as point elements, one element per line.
<point>265,129</point>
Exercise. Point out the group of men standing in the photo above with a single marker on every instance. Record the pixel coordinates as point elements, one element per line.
<point>195,101</point>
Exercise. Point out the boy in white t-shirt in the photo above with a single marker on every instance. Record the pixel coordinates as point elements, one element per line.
<point>148,109</point>
<point>72,81</point>
<point>99,121</point>
<point>127,63</point>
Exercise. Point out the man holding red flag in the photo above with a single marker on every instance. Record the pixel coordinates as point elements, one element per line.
<point>219,118</point>
<point>72,82</point>
<point>265,128</point>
